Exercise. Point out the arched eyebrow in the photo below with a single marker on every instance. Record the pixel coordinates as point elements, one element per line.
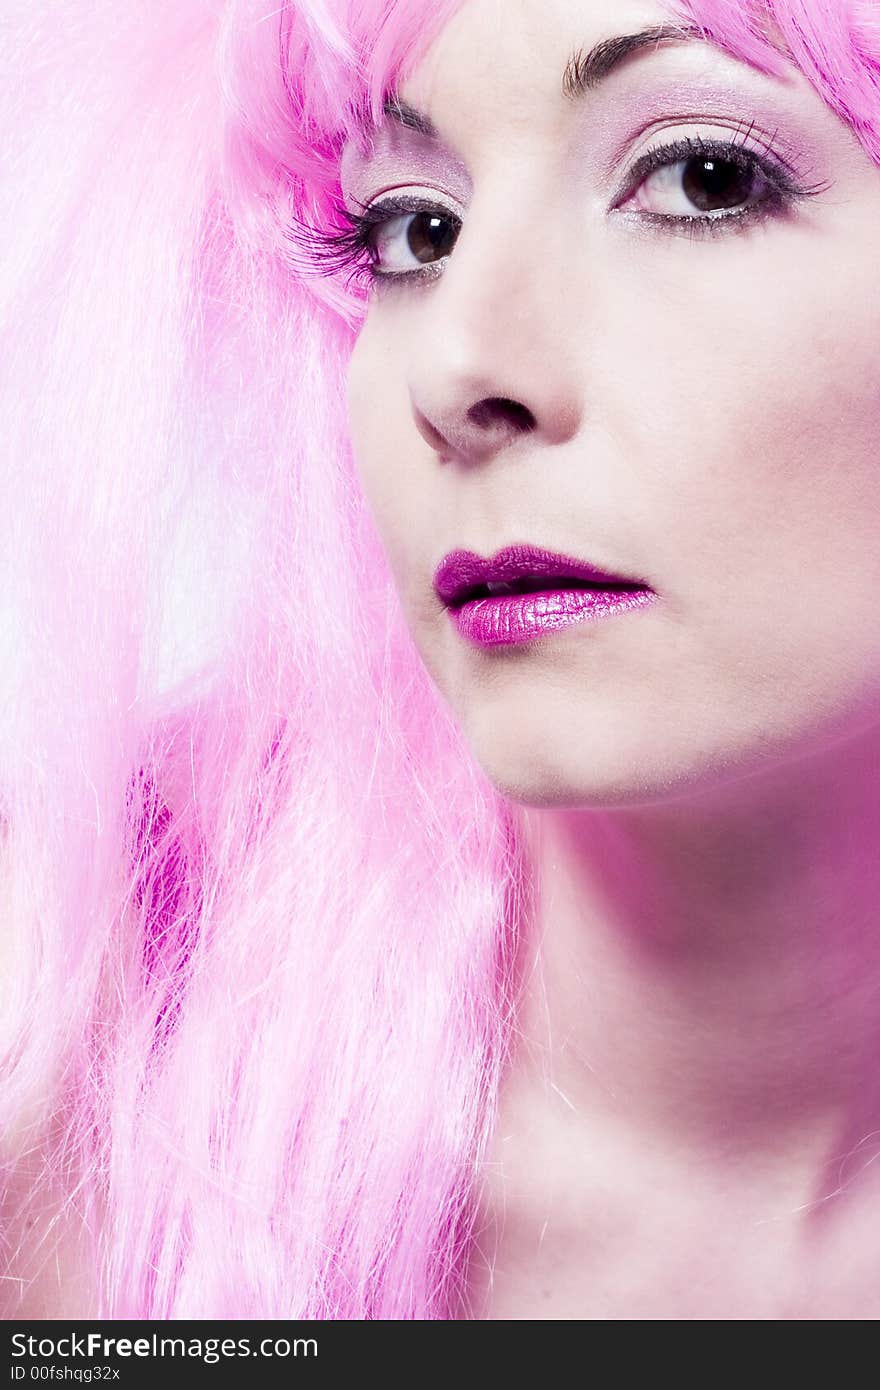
<point>583,72</point>
<point>585,69</point>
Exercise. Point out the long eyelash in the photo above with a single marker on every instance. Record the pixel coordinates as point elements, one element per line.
<point>785,189</point>
<point>331,251</point>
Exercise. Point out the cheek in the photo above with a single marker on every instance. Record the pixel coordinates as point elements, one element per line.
<point>767,519</point>
<point>394,465</point>
<point>377,431</point>
<point>759,402</point>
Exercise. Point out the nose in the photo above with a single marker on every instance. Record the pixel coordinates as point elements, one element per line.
<point>498,363</point>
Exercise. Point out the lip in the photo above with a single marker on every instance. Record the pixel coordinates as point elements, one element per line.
<point>543,608</point>
<point>462,570</point>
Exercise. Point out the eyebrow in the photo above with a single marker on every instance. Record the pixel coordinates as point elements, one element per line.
<point>585,69</point>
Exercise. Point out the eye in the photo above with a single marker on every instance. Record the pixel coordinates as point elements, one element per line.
<point>405,235</point>
<point>696,185</point>
<point>401,237</point>
<point>702,184</point>
<point>411,239</point>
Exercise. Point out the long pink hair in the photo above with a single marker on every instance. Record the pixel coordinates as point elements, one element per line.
<point>261,911</point>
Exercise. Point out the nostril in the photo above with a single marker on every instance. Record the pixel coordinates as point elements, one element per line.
<point>473,432</point>
<point>493,410</point>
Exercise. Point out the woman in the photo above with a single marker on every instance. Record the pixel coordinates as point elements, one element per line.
<point>440,737</point>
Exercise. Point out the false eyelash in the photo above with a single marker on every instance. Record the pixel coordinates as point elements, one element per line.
<point>330,251</point>
<point>729,150</point>
<point>785,189</point>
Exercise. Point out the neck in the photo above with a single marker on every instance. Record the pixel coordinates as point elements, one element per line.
<point>706,971</point>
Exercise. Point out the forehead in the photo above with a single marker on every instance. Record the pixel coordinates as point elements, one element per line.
<point>507,60</point>
<point>520,48</point>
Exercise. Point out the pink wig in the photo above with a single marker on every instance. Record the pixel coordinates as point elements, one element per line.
<point>261,909</point>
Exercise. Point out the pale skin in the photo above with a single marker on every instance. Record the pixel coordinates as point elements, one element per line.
<point>689,1128</point>
<point>690,1125</point>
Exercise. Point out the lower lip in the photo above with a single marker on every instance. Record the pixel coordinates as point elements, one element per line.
<point>505,619</point>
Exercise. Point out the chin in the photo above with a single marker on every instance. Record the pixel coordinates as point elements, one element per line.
<point>594,772</point>
<point>584,792</point>
<point>555,778</point>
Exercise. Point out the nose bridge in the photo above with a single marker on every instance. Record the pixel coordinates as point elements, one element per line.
<point>501,328</point>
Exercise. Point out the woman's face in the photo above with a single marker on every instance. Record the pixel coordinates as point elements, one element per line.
<point>694,404</point>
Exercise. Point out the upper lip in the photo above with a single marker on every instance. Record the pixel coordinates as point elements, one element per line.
<point>461,571</point>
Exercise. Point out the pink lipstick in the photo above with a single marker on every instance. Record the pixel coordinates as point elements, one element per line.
<point>523,592</point>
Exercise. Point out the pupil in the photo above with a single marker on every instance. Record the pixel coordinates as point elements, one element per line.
<point>714,183</point>
<point>430,237</point>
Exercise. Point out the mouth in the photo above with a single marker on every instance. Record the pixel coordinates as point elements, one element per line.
<point>463,577</point>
